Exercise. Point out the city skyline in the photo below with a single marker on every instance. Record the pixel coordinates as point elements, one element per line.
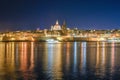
<point>28,14</point>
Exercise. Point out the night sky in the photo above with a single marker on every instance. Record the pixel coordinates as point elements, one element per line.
<point>83,14</point>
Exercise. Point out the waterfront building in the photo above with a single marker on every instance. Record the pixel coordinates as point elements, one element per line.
<point>56,26</point>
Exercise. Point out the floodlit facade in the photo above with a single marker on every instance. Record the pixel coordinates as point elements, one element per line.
<point>56,26</point>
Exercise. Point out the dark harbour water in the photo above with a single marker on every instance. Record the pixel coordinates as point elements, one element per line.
<point>59,61</point>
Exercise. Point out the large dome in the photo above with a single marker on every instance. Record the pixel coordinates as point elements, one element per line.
<point>57,26</point>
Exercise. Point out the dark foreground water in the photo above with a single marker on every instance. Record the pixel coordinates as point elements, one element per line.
<point>59,61</point>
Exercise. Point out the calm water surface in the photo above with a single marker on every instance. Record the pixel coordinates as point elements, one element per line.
<point>59,61</point>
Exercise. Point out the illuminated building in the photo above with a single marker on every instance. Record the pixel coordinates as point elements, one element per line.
<point>56,26</point>
<point>62,33</point>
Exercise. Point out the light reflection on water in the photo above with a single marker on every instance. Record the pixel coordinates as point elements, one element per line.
<point>65,60</point>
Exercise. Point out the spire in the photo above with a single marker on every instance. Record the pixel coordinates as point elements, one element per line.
<point>64,23</point>
<point>57,22</point>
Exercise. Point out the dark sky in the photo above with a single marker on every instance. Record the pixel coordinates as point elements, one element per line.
<point>84,14</point>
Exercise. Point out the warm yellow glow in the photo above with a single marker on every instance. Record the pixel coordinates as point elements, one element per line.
<point>33,39</point>
<point>52,59</point>
<point>32,56</point>
<point>2,57</point>
<point>23,56</point>
<point>103,53</point>
<point>112,55</point>
<point>67,55</point>
<point>98,55</point>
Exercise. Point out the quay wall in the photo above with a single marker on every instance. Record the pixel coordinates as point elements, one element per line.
<point>58,38</point>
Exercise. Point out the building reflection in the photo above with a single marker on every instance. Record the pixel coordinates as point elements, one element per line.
<point>103,58</point>
<point>103,52</point>
<point>23,57</point>
<point>10,56</point>
<point>32,57</point>
<point>83,57</point>
<point>112,56</point>
<point>98,55</point>
<point>7,59</point>
<point>91,54</point>
<point>53,60</point>
<point>2,61</point>
<point>100,59</point>
<point>56,60</point>
<point>67,56</point>
<point>27,62</point>
<point>75,57</point>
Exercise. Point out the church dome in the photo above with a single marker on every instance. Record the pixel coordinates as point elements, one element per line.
<point>57,26</point>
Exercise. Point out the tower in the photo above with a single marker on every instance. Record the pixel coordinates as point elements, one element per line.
<point>64,27</point>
